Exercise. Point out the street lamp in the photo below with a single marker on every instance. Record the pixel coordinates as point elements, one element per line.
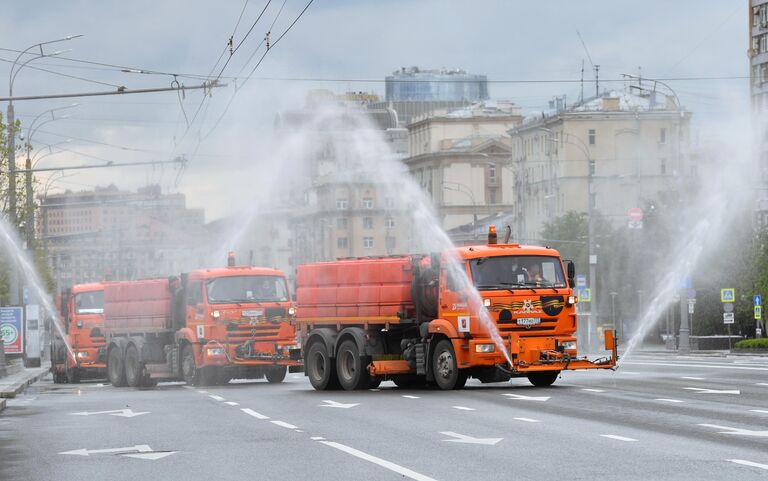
<point>12,217</point>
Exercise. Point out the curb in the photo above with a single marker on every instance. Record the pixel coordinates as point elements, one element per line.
<point>19,387</point>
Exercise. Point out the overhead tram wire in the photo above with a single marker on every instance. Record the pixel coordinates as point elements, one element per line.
<point>34,67</point>
<point>235,49</point>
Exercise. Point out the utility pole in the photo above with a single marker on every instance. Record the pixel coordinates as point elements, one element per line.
<point>685,331</point>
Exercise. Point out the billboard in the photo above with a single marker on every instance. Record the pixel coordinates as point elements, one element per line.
<point>12,329</point>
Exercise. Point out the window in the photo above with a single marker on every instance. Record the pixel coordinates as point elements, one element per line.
<point>391,242</point>
<point>367,203</point>
<point>342,243</point>
<point>341,223</point>
<point>592,136</point>
<point>367,222</point>
<point>663,166</point>
<point>389,222</point>
<point>492,174</point>
<point>368,242</point>
<point>341,204</point>
<point>193,293</point>
<point>663,135</point>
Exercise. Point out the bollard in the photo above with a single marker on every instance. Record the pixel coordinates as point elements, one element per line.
<point>3,371</point>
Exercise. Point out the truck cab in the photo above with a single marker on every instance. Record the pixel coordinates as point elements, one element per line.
<point>81,354</point>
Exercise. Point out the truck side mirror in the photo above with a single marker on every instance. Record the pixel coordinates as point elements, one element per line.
<point>571,270</point>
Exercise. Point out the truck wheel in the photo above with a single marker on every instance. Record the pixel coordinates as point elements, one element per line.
<point>543,378</point>
<point>276,374</point>
<point>447,374</point>
<point>189,370</point>
<point>115,368</point>
<point>58,357</point>
<point>224,376</point>
<point>207,376</point>
<point>320,367</point>
<point>133,374</point>
<point>350,367</point>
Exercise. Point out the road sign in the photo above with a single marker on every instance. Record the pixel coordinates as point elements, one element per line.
<point>692,294</point>
<point>585,294</point>
<point>691,303</point>
<point>728,294</point>
<point>635,214</point>
<point>12,329</point>
<point>581,280</point>
<point>758,312</point>
<point>757,300</point>
<point>728,307</point>
<point>728,318</point>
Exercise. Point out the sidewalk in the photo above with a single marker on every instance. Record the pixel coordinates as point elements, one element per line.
<point>18,380</point>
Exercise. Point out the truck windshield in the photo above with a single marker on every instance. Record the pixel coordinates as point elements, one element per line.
<point>89,302</point>
<point>506,272</point>
<point>222,290</point>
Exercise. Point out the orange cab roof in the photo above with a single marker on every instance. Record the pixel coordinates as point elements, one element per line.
<point>486,250</point>
<point>234,271</point>
<point>90,287</point>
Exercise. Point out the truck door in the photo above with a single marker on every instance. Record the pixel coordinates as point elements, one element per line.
<point>195,310</point>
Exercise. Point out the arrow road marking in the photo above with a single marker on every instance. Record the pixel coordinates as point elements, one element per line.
<point>749,463</point>
<point>737,431</point>
<point>334,404</point>
<point>151,456</point>
<point>463,408</point>
<point>462,438</point>
<point>618,438</point>
<point>141,448</point>
<point>713,391</point>
<point>527,398</point>
<point>123,413</point>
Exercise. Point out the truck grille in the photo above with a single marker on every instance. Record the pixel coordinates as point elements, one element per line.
<point>237,333</point>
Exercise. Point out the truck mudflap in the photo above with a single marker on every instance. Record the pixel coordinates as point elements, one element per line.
<point>562,361</point>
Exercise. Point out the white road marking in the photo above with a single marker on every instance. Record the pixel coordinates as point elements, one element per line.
<point>528,420</point>
<point>711,366</point>
<point>411,397</point>
<point>123,413</point>
<point>334,404</point>
<point>761,411</point>
<point>737,431</point>
<point>527,398</point>
<point>299,431</point>
<point>187,387</point>
<point>748,463</point>
<point>618,438</point>
<point>150,456</point>
<point>217,398</point>
<point>253,413</point>
<point>699,390</point>
<point>141,448</point>
<point>403,471</point>
<point>297,376</point>
<point>762,384</point>
<point>284,424</point>
<point>202,392</point>
<point>692,378</point>
<point>463,438</point>
<point>375,390</point>
<point>317,438</point>
<point>669,400</point>
<point>593,390</point>
<point>463,408</point>
<point>232,403</point>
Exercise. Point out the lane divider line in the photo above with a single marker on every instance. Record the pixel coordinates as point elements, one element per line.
<point>408,396</point>
<point>317,438</point>
<point>669,400</point>
<point>593,390</point>
<point>761,411</point>
<point>284,424</point>
<point>693,378</point>
<point>253,413</point>
<point>618,438</point>
<point>463,408</point>
<point>748,463</point>
<point>403,471</point>
<point>232,403</point>
<point>528,420</point>
<point>215,397</point>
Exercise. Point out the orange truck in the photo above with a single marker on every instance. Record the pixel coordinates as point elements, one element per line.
<point>432,319</point>
<point>204,327</point>
<point>81,310</point>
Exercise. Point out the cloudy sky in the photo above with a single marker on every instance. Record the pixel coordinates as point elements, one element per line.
<point>352,43</point>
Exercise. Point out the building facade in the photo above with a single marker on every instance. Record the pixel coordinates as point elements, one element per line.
<point>758,63</point>
<point>454,85</point>
<point>633,147</point>
<point>461,160</point>
<point>108,233</point>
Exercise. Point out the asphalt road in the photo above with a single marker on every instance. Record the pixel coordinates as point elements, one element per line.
<point>658,417</point>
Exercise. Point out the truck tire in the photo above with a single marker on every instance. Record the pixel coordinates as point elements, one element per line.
<point>320,368</point>
<point>189,371</point>
<point>351,367</point>
<point>73,374</point>
<point>133,368</point>
<point>444,366</point>
<point>543,378</point>
<point>58,357</point>
<point>276,374</point>
<point>115,367</point>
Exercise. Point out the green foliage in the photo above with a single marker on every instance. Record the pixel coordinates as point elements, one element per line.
<point>752,344</point>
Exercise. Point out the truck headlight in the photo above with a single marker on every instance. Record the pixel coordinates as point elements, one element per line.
<point>82,354</point>
<point>569,345</point>
<point>291,311</point>
<point>571,300</point>
<point>215,314</point>
<point>214,351</point>
<point>487,302</point>
<point>485,348</point>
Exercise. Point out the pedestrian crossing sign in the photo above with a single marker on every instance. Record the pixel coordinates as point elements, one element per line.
<point>728,294</point>
<point>585,294</point>
<point>758,312</point>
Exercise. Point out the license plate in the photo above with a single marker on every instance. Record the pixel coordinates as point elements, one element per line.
<point>528,321</point>
<point>253,313</point>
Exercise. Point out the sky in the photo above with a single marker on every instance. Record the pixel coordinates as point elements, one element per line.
<point>226,136</point>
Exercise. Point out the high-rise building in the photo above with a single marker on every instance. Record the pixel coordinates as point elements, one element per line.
<point>758,62</point>
<point>453,85</point>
